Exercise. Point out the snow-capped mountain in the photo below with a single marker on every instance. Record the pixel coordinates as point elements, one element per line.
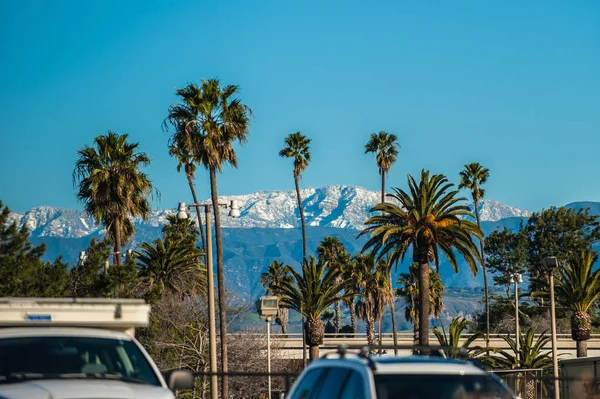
<point>492,211</point>
<point>330,206</point>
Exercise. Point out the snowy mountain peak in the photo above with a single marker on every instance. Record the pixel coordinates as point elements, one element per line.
<point>329,206</point>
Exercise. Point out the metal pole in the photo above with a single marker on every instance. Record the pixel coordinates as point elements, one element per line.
<point>554,346</point>
<point>269,352</point>
<point>212,340</point>
<point>517,319</point>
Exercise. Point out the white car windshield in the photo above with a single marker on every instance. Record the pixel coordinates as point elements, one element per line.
<point>73,358</point>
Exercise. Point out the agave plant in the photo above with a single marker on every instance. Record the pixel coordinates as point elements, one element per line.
<point>451,340</point>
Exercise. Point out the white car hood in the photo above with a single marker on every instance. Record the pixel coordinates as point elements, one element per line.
<point>82,389</point>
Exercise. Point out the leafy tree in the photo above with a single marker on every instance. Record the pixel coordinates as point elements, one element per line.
<point>332,252</point>
<point>427,219</point>
<point>112,186</point>
<point>451,340</point>
<point>22,272</point>
<point>506,253</point>
<point>557,232</point>
<point>297,147</point>
<point>327,318</point>
<point>409,291</point>
<point>373,290</point>
<point>385,146</point>
<point>311,294</point>
<point>271,280</point>
<point>87,278</point>
<point>472,178</point>
<point>214,119</point>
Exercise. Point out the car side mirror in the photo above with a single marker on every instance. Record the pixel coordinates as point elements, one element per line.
<point>179,379</point>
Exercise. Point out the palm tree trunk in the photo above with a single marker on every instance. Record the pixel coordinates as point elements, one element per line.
<point>301,218</point>
<point>338,315</point>
<point>353,317</point>
<point>392,305</point>
<point>221,282</point>
<point>314,336</point>
<point>193,190</point>
<point>393,310</point>
<point>582,348</point>
<point>117,244</point>
<point>485,282</point>
<point>282,319</point>
<point>416,329</point>
<point>423,301</point>
<point>380,332</point>
<point>370,328</point>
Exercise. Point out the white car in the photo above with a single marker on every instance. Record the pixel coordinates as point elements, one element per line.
<point>67,362</point>
<point>411,377</point>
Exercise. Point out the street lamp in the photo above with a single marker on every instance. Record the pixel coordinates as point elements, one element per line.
<point>551,264</point>
<point>517,278</point>
<point>212,340</point>
<point>268,307</point>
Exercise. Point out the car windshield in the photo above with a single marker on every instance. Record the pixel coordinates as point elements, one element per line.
<point>439,386</point>
<point>73,358</point>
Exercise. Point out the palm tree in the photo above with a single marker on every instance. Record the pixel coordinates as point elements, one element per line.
<point>215,119</point>
<point>428,219</point>
<point>311,294</point>
<point>170,265</point>
<point>409,291</point>
<point>297,147</point>
<point>276,274</point>
<point>181,147</point>
<point>578,287</point>
<point>531,356</point>
<point>472,178</point>
<point>456,349</point>
<point>331,251</point>
<point>373,289</point>
<point>351,275</point>
<point>112,186</point>
<point>385,146</point>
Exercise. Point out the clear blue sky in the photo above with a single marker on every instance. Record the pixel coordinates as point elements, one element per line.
<point>514,85</point>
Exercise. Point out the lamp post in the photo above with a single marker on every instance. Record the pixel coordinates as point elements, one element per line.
<point>517,278</point>
<point>551,263</point>
<point>212,340</point>
<point>268,307</point>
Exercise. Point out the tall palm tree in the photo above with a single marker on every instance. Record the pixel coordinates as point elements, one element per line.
<point>451,340</point>
<point>409,291</point>
<point>332,252</point>
<point>578,287</point>
<point>170,265</point>
<point>351,275</point>
<point>373,290</point>
<point>113,187</point>
<point>428,220</point>
<point>181,146</point>
<point>472,178</point>
<point>385,147</point>
<point>215,119</point>
<point>297,147</point>
<point>276,274</point>
<point>311,294</point>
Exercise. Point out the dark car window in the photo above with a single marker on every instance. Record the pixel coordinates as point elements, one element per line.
<point>308,384</point>
<point>332,383</point>
<point>78,357</point>
<point>354,387</point>
<point>439,386</point>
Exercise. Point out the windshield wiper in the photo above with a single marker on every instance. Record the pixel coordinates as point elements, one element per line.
<point>101,376</point>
